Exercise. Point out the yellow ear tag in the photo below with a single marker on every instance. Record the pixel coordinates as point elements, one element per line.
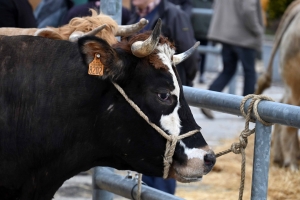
<point>96,67</point>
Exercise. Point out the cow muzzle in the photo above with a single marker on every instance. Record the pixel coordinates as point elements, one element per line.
<point>199,162</point>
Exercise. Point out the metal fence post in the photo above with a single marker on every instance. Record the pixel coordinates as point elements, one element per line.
<point>112,8</point>
<point>232,84</point>
<point>261,161</point>
<point>99,194</point>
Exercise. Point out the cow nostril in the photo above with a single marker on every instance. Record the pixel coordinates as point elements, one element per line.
<point>209,160</point>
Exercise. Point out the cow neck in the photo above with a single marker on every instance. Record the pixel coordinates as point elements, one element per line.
<point>171,139</point>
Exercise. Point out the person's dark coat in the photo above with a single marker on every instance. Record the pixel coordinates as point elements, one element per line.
<point>185,5</point>
<point>177,27</point>
<point>52,12</point>
<point>16,13</point>
<point>83,10</point>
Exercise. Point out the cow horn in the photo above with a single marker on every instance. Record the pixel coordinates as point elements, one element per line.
<point>78,34</point>
<point>142,49</point>
<point>96,30</point>
<point>181,57</point>
<point>126,30</point>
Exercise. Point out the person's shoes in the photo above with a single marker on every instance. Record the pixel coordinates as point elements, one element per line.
<point>207,113</point>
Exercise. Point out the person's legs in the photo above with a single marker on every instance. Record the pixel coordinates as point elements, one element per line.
<point>165,185</point>
<point>247,58</point>
<point>202,62</point>
<point>149,180</point>
<point>229,67</point>
<point>230,60</point>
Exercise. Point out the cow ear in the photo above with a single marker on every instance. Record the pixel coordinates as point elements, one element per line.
<point>48,33</point>
<point>101,59</point>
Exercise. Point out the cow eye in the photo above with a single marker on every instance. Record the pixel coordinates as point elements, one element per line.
<point>164,96</point>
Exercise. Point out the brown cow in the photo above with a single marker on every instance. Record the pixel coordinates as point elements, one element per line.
<point>287,40</point>
<point>100,25</point>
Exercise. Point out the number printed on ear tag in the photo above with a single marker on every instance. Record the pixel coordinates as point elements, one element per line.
<point>96,67</point>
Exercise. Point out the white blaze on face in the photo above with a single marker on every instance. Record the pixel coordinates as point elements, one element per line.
<point>194,152</point>
<point>170,122</point>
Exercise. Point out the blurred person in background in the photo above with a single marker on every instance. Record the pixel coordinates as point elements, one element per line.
<point>201,24</point>
<point>238,26</point>
<point>16,13</point>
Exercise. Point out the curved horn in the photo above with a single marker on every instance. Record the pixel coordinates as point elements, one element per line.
<point>75,36</point>
<point>181,57</point>
<point>96,30</point>
<point>78,34</point>
<point>142,49</point>
<point>126,30</point>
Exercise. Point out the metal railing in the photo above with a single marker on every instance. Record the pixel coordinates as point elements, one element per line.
<point>269,111</point>
<point>227,103</point>
<point>106,182</point>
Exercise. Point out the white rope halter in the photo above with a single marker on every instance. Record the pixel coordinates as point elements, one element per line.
<point>171,139</point>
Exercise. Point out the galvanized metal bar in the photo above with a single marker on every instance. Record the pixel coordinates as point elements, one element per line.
<point>227,103</point>
<point>202,11</point>
<point>98,193</point>
<point>209,49</point>
<point>261,161</point>
<point>268,111</point>
<point>112,8</point>
<point>127,188</point>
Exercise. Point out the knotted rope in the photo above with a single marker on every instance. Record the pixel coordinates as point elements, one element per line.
<point>171,139</point>
<point>239,148</point>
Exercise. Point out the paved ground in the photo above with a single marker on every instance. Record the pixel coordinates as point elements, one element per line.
<point>222,127</point>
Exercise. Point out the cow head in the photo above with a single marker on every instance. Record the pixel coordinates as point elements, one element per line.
<point>144,67</point>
